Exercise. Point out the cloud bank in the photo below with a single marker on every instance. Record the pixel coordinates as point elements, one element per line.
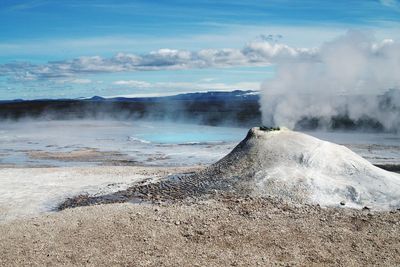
<point>257,53</point>
<point>344,78</point>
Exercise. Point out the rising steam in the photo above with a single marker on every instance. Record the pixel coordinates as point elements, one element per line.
<point>354,77</point>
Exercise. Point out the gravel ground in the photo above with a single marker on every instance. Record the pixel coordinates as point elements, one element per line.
<point>27,192</point>
<point>223,231</point>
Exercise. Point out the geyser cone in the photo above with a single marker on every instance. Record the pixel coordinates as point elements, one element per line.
<point>302,168</point>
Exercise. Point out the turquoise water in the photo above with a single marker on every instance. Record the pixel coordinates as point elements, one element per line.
<point>185,134</point>
<point>142,142</point>
<point>153,143</point>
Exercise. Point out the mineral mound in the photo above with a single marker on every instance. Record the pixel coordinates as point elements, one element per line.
<point>301,168</point>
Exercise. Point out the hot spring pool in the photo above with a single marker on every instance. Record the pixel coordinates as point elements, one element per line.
<point>103,142</point>
<point>173,133</point>
<point>52,143</point>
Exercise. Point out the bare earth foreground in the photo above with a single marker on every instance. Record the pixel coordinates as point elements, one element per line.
<point>221,231</point>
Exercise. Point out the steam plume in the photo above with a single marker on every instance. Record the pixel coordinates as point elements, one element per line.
<point>353,76</point>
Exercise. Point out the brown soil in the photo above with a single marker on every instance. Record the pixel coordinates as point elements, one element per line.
<point>223,231</point>
<point>88,154</point>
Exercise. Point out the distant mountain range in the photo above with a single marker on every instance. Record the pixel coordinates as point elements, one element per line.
<point>197,96</point>
<point>213,108</point>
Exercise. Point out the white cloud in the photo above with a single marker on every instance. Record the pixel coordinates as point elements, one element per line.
<point>257,53</point>
<point>390,3</point>
<point>133,83</point>
<point>189,86</point>
<point>81,81</point>
<point>207,80</point>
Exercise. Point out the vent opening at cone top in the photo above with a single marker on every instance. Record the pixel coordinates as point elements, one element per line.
<point>268,129</point>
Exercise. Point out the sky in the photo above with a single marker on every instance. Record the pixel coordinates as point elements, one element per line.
<point>82,48</point>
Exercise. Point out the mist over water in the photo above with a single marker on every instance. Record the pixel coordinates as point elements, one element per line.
<point>353,79</point>
<point>38,143</point>
<point>55,143</point>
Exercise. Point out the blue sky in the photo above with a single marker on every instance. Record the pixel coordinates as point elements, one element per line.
<point>78,48</point>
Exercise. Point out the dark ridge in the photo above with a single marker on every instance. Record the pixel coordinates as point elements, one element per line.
<point>212,108</point>
<point>388,103</point>
<point>340,122</point>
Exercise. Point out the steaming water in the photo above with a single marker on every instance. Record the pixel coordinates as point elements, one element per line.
<point>48,143</point>
<point>138,143</point>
